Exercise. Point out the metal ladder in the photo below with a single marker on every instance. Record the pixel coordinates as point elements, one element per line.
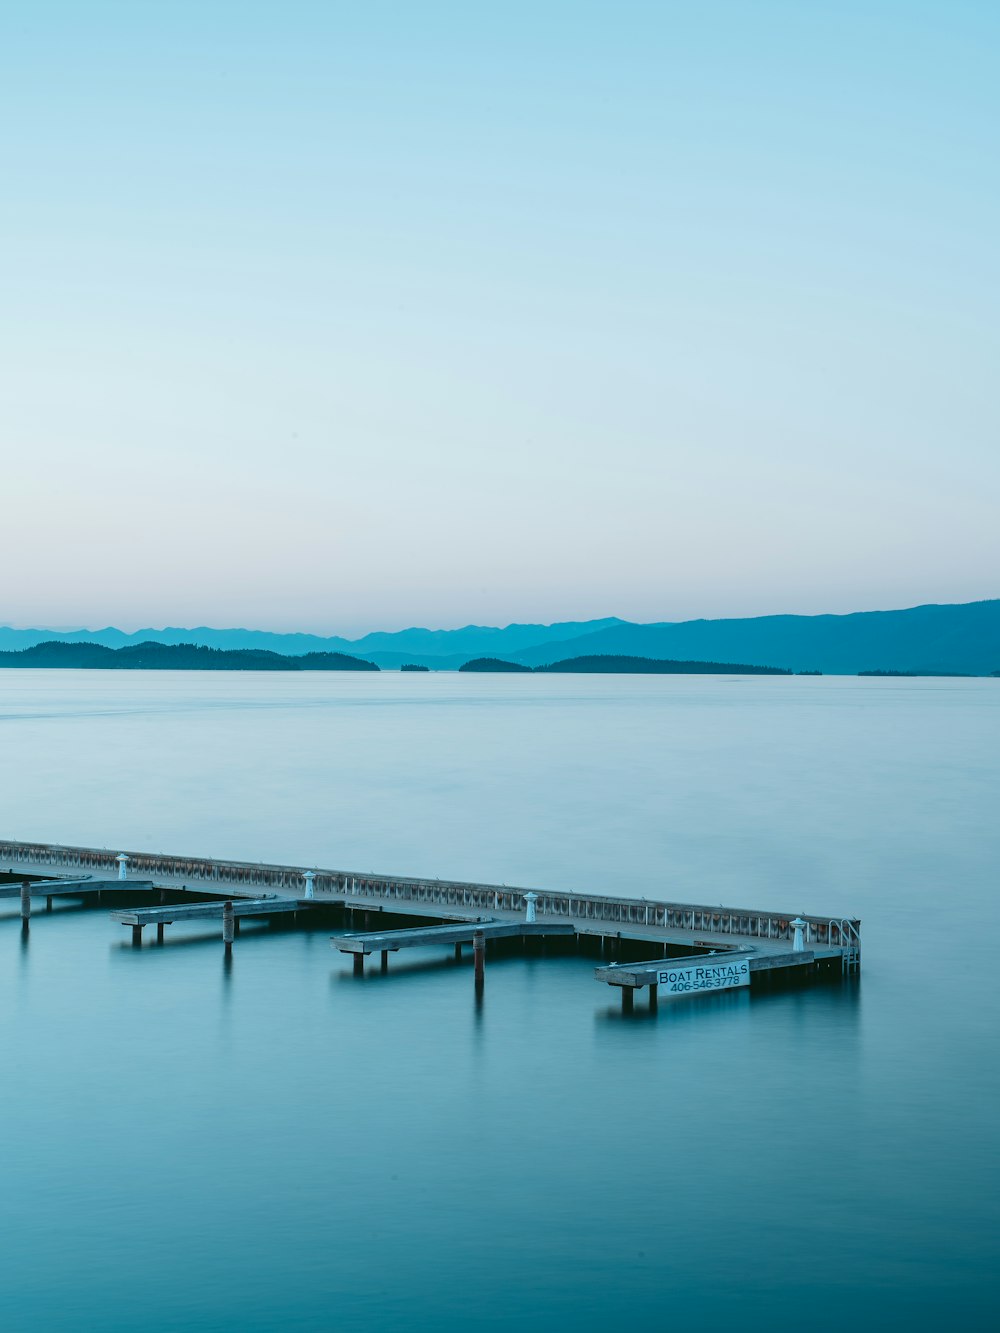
<point>850,954</point>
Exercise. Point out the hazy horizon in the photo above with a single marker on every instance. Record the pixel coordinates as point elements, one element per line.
<point>127,628</point>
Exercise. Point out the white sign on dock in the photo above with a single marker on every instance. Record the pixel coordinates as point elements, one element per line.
<point>719,974</point>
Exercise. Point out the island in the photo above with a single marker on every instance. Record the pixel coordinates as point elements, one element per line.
<point>413,666</point>
<point>612,663</point>
<point>492,664</point>
<point>175,657</point>
<point>615,664</point>
<point>963,675</point>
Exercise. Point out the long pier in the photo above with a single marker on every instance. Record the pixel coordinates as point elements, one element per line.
<point>618,928</point>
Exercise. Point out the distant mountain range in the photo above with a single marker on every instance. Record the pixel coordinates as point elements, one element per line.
<point>961,638</point>
<point>444,649</point>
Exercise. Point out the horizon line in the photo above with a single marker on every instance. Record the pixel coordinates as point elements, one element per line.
<point>471,625</point>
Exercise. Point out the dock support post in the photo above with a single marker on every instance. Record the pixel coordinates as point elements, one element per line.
<point>48,902</point>
<point>385,960</point>
<point>137,937</point>
<point>479,955</point>
<point>228,927</point>
<point>122,860</point>
<point>159,932</point>
<point>359,965</point>
<point>25,903</point>
<point>236,923</point>
<point>654,997</point>
<point>628,999</point>
<point>458,952</point>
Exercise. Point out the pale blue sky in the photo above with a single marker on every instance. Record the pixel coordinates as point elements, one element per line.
<point>349,316</point>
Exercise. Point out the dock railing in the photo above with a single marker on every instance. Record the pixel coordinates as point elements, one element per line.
<point>485,899</point>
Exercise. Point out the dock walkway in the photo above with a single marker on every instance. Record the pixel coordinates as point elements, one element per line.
<point>657,923</point>
<point>390,941</point>
<point>68,888</point>
<point>139,917</point>
<point>76,888</point>
<point>714,971</point>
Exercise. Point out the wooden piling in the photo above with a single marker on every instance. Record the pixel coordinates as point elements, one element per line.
<point>228,927</point>
<point>48,902</point>
<point>26,901</point>
<point>137,937</point>
<point>458,952</point>
<point>385,960</point>
<point>159,932</point>
<point>628,999</point>
<point>654,997</point>
<point>359,965</point>
<point>479,955</point>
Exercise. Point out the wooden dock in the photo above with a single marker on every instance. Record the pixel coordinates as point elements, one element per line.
<point>140,917</point>
<point>615,927</point>
<point>68,888</point>
<point>76,888</point>
<point>390,941</point>
<point>697,974</point>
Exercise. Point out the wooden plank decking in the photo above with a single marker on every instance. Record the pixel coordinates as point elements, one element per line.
<point>56,888</point>
<point>227,910</point>
<point>167,916</point>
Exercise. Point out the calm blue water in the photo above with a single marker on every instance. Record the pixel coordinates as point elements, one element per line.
<point>282,1147</point>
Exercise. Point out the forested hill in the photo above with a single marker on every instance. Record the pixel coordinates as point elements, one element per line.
<point>492,664</point>
<point>615,664</point>
<point>175,657</point>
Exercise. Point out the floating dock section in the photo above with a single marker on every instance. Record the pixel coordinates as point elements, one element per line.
<point>716,970</point>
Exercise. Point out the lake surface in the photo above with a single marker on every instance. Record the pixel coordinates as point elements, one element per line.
<point>280,1146</point>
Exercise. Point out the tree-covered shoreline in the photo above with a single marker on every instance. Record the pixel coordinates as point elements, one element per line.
<point>174,657</point>
<point>617,664</point>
